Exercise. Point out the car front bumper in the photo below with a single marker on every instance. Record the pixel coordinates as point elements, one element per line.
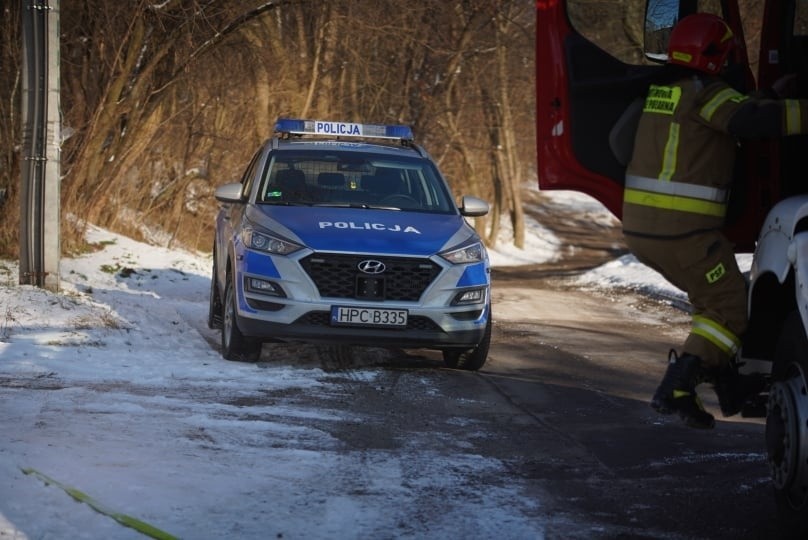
<point>313,327</point>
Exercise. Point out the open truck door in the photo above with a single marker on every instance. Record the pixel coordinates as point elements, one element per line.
<point>581,92</point>
<point>584,95</point>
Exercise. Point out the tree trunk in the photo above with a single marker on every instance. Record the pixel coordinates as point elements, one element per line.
<point>512,179</point>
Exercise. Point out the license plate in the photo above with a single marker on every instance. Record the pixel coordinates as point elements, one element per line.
<point>360,316</point>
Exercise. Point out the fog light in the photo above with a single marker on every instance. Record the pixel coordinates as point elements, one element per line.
<point>470,296</point>
<point>263,286</point>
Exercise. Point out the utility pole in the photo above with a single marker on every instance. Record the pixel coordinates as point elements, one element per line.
<point>41,145</point>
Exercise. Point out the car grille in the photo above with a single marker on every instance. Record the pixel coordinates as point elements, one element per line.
<point>338,276</point>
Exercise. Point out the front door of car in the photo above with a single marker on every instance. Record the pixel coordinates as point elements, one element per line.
<point>586,78</point>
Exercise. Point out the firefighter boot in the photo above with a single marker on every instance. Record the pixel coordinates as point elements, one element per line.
<point>677,392</point>
<point>734,390</point>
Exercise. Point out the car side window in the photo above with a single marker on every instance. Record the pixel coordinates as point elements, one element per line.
<point>619,27</point>
<point>615,27</point>
<point>249,175</point>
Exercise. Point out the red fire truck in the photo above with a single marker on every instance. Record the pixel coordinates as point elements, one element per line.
<point>585,91</point>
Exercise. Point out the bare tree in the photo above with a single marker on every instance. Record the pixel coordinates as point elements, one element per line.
<point>10,88</point>
<point>134,65</point>
<point>165,101</point>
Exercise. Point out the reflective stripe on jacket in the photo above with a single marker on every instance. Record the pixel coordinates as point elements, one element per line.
<point>680,173</point>
<point>681,141</point>
<point>678,196</point>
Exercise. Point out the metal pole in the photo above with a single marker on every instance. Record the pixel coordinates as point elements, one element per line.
<point>40,169</point>
<point>51,242</point>
<point>30,136</point>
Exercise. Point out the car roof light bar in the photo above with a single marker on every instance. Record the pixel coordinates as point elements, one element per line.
<point>293,126</point>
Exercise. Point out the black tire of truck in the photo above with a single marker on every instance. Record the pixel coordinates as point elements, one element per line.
<point>787,428</point>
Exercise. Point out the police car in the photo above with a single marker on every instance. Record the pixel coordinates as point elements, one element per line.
<point>346,233</point>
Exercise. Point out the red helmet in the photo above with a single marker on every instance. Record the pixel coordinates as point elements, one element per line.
<point>701,41</point>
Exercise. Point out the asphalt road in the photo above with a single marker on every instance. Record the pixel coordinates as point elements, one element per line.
<point>563,400</point>
<point>582,366</point>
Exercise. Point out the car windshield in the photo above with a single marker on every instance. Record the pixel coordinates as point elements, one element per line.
<point>354,179</point>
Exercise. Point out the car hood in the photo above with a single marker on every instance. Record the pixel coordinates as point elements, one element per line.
<point>364,230</point>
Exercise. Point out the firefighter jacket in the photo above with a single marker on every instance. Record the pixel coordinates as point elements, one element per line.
<point>680,173</point>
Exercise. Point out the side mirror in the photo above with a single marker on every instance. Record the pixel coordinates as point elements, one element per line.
<point>660,18</point>
<point>228,193</point>
<point>473,207</point>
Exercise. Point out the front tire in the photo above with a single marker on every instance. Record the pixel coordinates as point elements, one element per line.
<point>235,345</point>
<point>787,428</point>
<point>471,359</point>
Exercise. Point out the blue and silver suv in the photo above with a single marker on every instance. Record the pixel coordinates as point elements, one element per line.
<point>331,238</point>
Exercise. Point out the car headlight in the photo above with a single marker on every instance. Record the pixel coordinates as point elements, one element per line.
<point>467,254</point>
<point>261,241</point>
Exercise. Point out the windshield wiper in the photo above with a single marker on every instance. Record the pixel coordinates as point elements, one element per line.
<point>287,203</point>
<point>341,205</point>
<point>356,205</point>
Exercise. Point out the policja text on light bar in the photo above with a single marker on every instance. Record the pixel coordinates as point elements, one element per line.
<point>342,129</point>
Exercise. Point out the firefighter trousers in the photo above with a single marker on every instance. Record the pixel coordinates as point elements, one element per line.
<point>702,265</point>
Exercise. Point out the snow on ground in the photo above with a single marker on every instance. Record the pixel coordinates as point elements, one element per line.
<point>131,318</point>
<point>541,245</point>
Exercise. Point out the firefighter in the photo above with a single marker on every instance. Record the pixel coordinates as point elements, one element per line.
<point>675,201</point>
